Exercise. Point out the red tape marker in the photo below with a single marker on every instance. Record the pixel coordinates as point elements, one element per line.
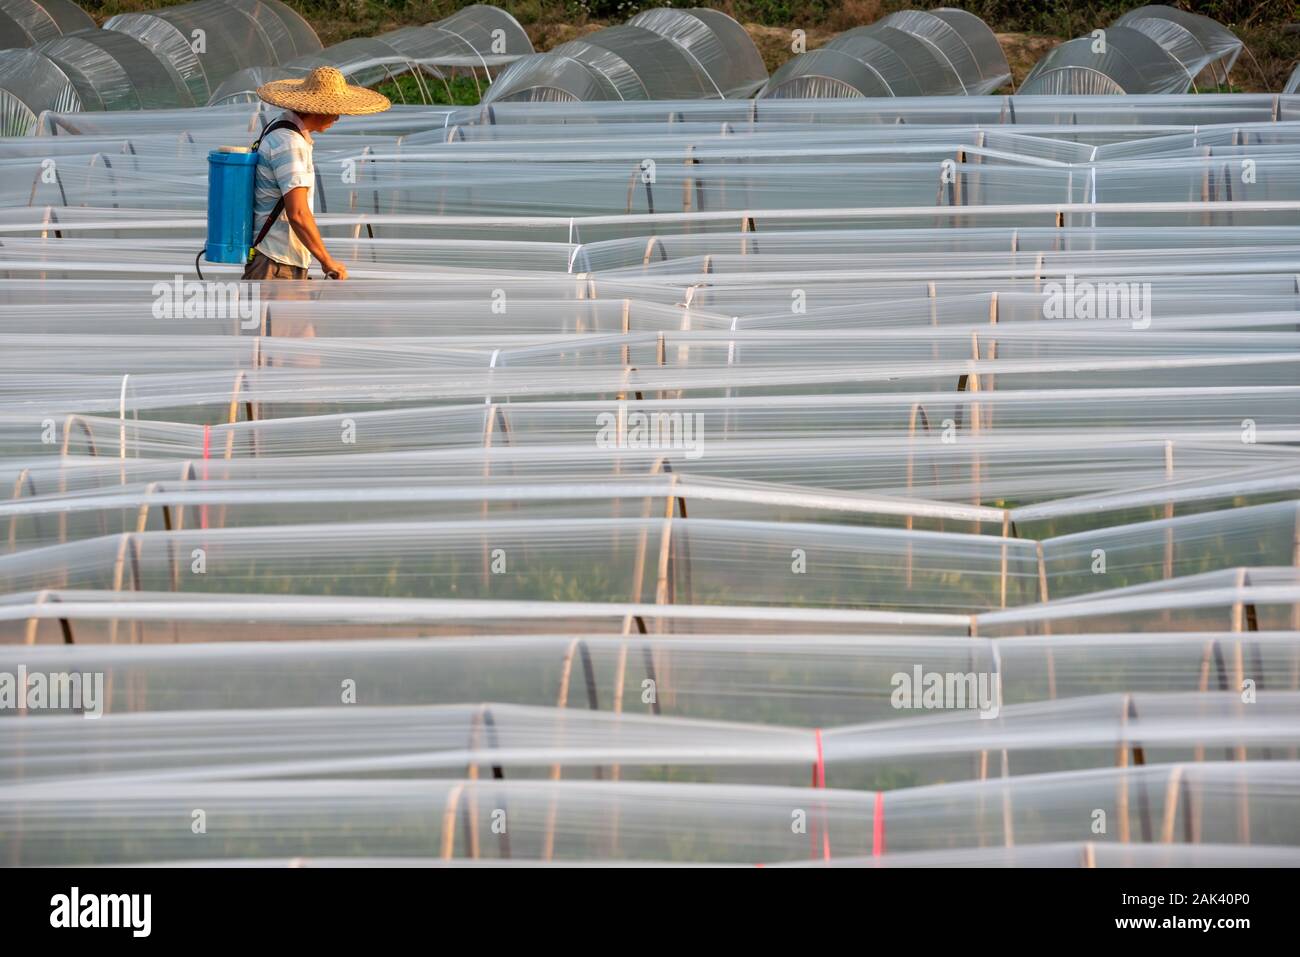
<point>819,769</point>
<point>878,826</point>
<point>819,781</point>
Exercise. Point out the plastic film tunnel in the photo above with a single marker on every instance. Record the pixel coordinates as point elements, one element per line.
<point>1152,49</point>
<point>943,511</point>
<point>659,54</point>
<point>908,53</point>
<point>25,23</point>
<point>161,59</point>
<point>476,38</point>
<point>207,41</point>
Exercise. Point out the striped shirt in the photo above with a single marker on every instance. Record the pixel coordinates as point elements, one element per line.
<point>284,162</point>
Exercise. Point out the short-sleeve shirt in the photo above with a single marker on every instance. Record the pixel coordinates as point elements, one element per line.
<point>284,162</point>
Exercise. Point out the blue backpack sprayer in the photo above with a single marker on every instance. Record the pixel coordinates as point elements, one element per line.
<point>231,170</point>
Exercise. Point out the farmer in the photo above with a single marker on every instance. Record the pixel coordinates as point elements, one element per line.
<point>285,181</point>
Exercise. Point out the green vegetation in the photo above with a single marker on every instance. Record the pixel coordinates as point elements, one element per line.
<point>457,91</point>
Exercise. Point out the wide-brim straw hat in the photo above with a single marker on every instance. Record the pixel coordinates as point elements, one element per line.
<point>323,90</point>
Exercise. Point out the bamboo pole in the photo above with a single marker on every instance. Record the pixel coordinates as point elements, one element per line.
<point>128,544</point>
<point>1121,782</point>
<point>23,481</point>
<point>1006,532</point>
<point>493,414</point>
<point>650,246</point>
<point>449,822</point>
<point>747,226</point>
<point>664,587</point>
<point>1169,512</point>
<point>1172,788</point>
<point>1243,805</point>
<point>241,381</point>
<point>1295,607</point>
<point>1047,624</point>
<point>1203,684</point>
<point>975,424</point>
<point>33,623</point>
<point>918,411</point>
<point>990,380</point>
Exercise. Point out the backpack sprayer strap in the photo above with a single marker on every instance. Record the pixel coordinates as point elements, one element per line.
<point>278,208</point>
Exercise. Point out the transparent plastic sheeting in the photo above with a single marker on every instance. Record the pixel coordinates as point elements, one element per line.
<point>660,54</point>
<point>907,53</point>
<point>1063,855</point>
<point>1090,120</point>
<point>413,163</point>
<point>475,37</point>
<point>701,561</point>
<point>88,69</point>
<point>441,741</point>
<point>133,822</point>
<point>1198,42</point>
<point>29,83</point>
<point>848,491</point>
<point>715,41</point>
<point>830,680</point>
<point>115,71</point>
<point>1083,854</point>
<point>81,617</point>
<point>25,23</point>
<point>1122,60</point>
<point>160,59</point>
<point>236,35</point>
<point>1151,49</point>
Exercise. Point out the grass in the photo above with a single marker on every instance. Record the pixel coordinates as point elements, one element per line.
<point>406,89</point>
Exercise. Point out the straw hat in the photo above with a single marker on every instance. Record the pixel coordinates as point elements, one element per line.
<point>323,90</point>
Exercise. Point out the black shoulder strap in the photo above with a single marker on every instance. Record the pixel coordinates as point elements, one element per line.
<point>279,203</point>
<point>271,128</point>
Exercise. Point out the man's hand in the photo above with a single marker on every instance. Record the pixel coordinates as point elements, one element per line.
<point>334,269</point>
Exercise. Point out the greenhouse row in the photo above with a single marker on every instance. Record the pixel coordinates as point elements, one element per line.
<point>881,479</point>
<point>53,58</point>
<point>220,51</point>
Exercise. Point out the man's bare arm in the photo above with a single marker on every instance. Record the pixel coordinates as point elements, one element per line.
<point>303,223</point>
